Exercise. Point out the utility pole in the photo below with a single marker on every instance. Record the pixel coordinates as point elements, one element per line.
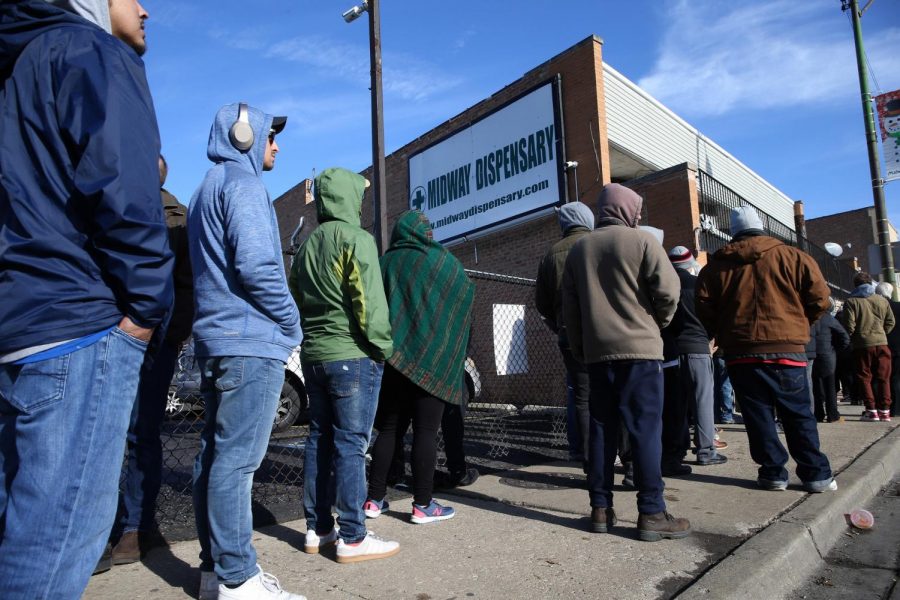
<point>881,221</point>
<point>379,185</point>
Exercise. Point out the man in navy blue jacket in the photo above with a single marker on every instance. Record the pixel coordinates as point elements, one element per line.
<point>86,278</point>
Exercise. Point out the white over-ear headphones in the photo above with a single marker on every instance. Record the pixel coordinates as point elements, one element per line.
<point>241,133</point>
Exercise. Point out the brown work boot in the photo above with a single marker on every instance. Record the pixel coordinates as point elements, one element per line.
<point>652,528</point>
<point>602,519</point>
<point>127,550</point>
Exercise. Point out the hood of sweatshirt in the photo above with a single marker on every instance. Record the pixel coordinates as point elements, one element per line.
<point>413,230</point>
<point>575,214</point>
<point>749,249</point>
<point>339,194</point>
<point>864,290</point>
<point>21,22</point>
<point>619,203</point>
<point>219,149</point>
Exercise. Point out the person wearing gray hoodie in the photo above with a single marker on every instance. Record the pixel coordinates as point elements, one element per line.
<point>618,291</point>
<point>575,221</point>
<point>245,327</point>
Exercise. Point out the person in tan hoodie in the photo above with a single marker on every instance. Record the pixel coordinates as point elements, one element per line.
<point>868,319</point>
<point>618,291</point>
<point>758,297</point>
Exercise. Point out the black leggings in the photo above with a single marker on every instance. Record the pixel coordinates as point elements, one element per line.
<point>399,402</point>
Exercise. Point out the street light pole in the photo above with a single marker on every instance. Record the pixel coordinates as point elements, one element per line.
<point>881,220</point>
<point>379,187</point>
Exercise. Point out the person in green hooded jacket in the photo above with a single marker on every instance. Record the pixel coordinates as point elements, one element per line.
<point>430,299</point>
<point>337,285</point>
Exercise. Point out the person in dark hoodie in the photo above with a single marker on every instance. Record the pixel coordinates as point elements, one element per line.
<point>693,374</point>
<point>575,220</point>
<point>245,327</point>
<point>868,319</point>
<point>758,297</point>
<point>831,338</point>
<point>87,277</point>
<point>136,529</point>
<point>618,291</point>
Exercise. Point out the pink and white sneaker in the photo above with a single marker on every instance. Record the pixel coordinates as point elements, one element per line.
<point>884,415</point>
<point>870,415</point>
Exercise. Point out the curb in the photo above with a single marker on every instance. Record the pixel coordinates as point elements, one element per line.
<point>781,557</point>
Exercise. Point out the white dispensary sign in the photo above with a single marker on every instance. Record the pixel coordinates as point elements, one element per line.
<point>502,167</point>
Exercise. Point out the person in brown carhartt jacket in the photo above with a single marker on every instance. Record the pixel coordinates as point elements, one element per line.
<point>868,319</point>
<point>619,289</point>
<point>758,298</point>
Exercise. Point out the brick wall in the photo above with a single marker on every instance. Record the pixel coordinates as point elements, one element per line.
<point>854,226</point>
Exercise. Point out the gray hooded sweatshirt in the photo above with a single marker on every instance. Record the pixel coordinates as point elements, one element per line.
<point>619,288</point>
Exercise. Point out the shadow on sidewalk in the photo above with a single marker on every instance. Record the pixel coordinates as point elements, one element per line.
<point>174,571</point>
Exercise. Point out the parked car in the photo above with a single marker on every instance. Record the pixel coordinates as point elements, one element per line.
<point>293,403</point>
<point>184,390</point>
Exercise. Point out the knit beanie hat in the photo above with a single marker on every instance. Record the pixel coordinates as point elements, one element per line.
<point>682,258</point>
<point>575,214</point>
<point>744,219</point>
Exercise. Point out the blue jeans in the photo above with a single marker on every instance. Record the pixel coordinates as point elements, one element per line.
<point>241,396</point>
<point>62,436</point>
<point>630,391</point>
<point>724,401</point>
<point>343,396</point>
<point>763,389</point>
<point>143,472</point>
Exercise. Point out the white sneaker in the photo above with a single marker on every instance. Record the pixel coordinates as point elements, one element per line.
<point>370,548</point>
<point>261,586</point>
<point>315,542</point>
<point>209,586</point>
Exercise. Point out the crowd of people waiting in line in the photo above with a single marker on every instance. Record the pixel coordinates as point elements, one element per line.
<point>105,275</point>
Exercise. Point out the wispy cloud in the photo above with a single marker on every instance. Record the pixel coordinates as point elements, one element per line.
<point>408,77</point>
<point>460,42</point>
<point>716,59</point>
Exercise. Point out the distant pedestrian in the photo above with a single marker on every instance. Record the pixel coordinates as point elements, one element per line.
<point>575,221</point>
<point>618,291</point>
<point>136,527</point>
<point>758,297</point>
<point>831,338</point>
<point>85,278</point>
<point>245,329</point>
<point>430,302</point>
<point>337,285</point>
<point>868,319</point>
<point>692,374</point>
<point>893,339</point>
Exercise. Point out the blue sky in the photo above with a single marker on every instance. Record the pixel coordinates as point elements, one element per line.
<point>772,81</point>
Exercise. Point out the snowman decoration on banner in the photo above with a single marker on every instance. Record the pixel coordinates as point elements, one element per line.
<point>891,124</point>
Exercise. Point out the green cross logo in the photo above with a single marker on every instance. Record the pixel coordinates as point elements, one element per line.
<point>418,198</point>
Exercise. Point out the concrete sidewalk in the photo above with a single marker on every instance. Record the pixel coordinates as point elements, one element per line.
<point>524,534</point>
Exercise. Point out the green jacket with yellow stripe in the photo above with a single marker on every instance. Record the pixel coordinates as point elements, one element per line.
<point>336,281</point>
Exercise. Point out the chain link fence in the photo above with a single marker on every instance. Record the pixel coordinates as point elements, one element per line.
<point>516,413</point>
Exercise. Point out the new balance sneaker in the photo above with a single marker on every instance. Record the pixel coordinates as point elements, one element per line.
<point>261,586</point>
<point>370,548</point>
<point>771,484</point>
<point>209,586</point>
<point>431,513</point>
<point>374,508</point>
<point>870,415</point>
<point>315,542</point>
<point>884,415</point>
<point>817,487</point>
